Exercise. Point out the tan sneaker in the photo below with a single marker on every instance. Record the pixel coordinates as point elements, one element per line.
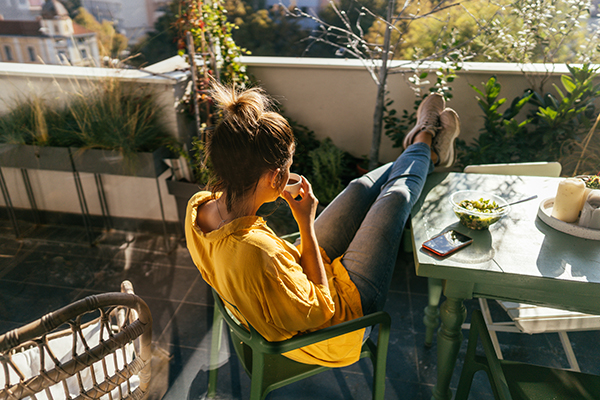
<point>443,142</point>
<point>427,117</point>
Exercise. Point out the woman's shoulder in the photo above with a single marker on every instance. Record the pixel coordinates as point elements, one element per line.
<point>200,197</point>
<point>202,212</point>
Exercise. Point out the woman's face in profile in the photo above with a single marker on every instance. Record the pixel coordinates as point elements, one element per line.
<point>285,172</point>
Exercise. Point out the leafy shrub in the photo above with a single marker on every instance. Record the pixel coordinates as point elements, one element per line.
<point>500,140</point>
<point>583,157</point>
<point>327,166</point>
<point>551,130</point>
<point>568,116</point>
<point>305,143</point>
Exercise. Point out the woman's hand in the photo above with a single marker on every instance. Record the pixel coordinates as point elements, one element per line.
<point>305,208</point>
<point>304,211</point>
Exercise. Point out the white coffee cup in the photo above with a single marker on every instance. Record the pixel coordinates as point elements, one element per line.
<point>293,185</point>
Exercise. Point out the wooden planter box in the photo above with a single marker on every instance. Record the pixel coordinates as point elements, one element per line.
<point>35,157</point>
<point>147,165</point>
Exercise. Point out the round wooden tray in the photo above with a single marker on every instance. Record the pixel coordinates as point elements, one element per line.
<point>545,214</point>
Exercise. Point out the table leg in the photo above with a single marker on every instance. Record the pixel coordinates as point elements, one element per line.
<point>432,313</point>
<point>453,314</point>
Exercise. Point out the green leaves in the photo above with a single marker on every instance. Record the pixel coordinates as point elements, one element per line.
<point>548,132</point>
<point>568,84</point>
<point>207,22</point>
<point>500,139</point>
<point>492,89</point>
<point>327,164</point>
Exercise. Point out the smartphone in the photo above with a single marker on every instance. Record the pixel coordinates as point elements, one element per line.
<point>447,243</point>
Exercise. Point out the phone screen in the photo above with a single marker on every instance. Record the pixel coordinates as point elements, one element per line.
<point>447,242</point>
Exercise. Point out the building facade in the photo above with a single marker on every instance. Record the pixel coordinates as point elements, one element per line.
<point>22,10</point>
<point>52,38</point>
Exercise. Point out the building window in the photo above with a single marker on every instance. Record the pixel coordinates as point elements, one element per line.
<point>62,57</point>
<point>8,53</point>
<point>31,51</point>
<point>84,54</point>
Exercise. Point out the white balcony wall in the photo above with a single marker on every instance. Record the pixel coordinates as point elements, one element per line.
<point>127,197</point>
<point>336,97</point>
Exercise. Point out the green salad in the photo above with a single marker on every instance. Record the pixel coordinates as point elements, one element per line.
<point>592,182</point>
<point>480,206</point>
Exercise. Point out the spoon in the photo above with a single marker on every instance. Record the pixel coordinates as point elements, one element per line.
<point>516,202</point>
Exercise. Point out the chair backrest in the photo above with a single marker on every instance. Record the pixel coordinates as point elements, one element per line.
<point>249,337</point>
<point>269,369</point>
<point>243,334</point>
<point>98,345</point>
<point>530,169</point>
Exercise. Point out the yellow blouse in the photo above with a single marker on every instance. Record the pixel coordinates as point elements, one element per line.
<point>258,272</point>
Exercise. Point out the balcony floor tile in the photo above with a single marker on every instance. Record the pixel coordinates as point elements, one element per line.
<point>55,265</point>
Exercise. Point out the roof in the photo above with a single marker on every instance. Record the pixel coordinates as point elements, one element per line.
<point>80,30</point>
<point>20,28</point>
<point>53,9</point>
<point>32,28</point>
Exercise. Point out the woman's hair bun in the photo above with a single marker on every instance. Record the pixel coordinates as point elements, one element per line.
<point>247,105</point>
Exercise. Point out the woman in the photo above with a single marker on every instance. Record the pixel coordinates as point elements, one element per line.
<point>284,290</point>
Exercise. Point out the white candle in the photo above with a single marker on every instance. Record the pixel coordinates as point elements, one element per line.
<point>568,201</point>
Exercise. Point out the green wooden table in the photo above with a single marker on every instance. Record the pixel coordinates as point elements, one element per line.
<point>519,258</point>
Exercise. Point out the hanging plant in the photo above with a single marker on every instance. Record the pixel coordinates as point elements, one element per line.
<point>207,22</point>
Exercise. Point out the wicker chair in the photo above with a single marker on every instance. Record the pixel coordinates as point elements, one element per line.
<point>95,348</point>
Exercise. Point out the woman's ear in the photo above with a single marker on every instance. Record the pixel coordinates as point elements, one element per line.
<point>274,178</point>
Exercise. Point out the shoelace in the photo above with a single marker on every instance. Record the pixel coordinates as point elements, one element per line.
<point>432,120</point>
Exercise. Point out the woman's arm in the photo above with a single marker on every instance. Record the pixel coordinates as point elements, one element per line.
<point>304,211</point>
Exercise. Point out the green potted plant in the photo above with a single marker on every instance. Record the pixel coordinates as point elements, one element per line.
<point>111,129</point>
<point>26,141</point>
<point>120,131</point>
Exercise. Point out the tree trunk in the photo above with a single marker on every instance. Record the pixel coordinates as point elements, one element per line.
<point>381,86</point>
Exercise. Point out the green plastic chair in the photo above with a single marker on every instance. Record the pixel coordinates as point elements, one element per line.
<point>520,381</point>
<point>269,370</point>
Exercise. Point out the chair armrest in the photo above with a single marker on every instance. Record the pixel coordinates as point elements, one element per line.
<point>380,317</point>
<point>291,237</point>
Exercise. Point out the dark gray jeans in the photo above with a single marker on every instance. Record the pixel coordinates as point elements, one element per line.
<point>366,220</point>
